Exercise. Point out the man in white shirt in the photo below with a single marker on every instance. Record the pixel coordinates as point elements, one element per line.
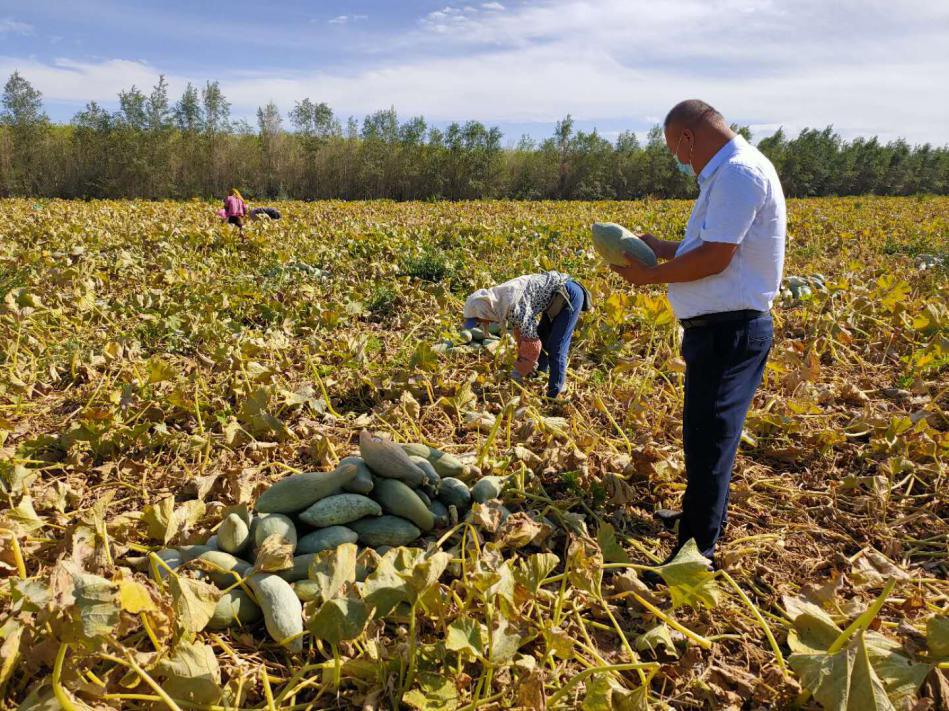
<point>722,280</point>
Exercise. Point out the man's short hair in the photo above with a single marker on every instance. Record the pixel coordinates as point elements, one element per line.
<point>690,112</point>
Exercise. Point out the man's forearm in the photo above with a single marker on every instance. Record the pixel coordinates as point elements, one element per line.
<point>691,266</point>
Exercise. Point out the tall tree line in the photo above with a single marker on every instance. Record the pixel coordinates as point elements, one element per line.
<point>152,147</point>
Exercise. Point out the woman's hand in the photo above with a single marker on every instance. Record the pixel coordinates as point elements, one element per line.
<point>528,353</point>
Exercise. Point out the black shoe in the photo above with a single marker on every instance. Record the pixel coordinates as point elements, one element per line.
<point>651,578</point>
<point>667,517</point>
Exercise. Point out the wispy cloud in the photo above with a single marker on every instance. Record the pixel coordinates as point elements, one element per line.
<point>458,18</point>
<point>10,26</point>
<point>343,19</point>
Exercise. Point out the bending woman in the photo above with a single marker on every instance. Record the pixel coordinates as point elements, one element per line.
<point>235,209</point>
<point>543,310</point>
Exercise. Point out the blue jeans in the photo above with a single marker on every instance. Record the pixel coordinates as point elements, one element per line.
<point>724,363</point>
<point>555,339</point>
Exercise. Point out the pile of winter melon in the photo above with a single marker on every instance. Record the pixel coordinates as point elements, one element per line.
<point>928,261</point>
<point>796,288</point>
<point>389,495</point>
<point>473,339</point>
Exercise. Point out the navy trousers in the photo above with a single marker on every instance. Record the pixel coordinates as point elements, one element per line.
<point>555,336</point>
<point>724,363</point>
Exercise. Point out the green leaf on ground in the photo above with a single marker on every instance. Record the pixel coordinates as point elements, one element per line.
<point>690,579</point>
<point>339,619</point>
<point>192,673</point>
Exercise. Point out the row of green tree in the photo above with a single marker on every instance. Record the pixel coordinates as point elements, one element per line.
<point>154,148</point>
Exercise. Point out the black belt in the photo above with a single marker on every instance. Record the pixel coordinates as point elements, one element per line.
<point>723,317</point>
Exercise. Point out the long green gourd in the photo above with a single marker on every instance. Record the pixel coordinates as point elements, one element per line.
<point>283,611</point>
<point>487,488</point>
<point>455,492</point>
<point>233,535</point>
<point>432,479</point>
<point>398,499</point>
<point>362,482</point>
<point>340,509</point>
<point>385,531</point>
<point>445,464</point>
<point>271,524</point>
<point>299,491</point>
<point>388,459</point>
<point>300,569</point>
<point>221,567</point>
<point>614,242</point>
<point>325,538</point>
<point>235,607</point>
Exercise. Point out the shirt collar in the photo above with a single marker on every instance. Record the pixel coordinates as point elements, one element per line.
<point>723,154</point>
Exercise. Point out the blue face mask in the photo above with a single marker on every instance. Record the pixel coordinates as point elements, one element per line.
<point>684,168</point>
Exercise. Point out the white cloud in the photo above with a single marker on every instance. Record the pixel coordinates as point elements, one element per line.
<point>10,26</point>
<point>343,19</point>
<point>761,62</point>
<point>452,18</point>
<point>66,80</point>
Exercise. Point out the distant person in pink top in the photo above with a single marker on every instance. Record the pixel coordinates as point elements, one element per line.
<point>235,209</point>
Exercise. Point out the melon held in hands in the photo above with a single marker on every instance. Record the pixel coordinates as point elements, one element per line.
<point>614,243</point>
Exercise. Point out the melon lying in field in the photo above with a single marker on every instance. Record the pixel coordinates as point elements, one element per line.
<point>614,242</point>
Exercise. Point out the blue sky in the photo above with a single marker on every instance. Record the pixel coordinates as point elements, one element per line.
<point>868,67</point>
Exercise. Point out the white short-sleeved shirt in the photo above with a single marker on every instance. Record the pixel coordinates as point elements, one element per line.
<point>740,202</point>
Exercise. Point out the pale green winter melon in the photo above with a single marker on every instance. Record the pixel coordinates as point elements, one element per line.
<point>423,496</point>
<point>297,492</point>
<point>340,509</point>
<point>326,538</point>
<point>191,552</point>
<point>440,511</point>
<point>432,479</point>
<point>267,525</point>
<point>487,488</point>
<point>283,611</point>
<point>233,535</point>
<point>398,499</point>
<point>300,570</point>
<point>235,607</point>
<point>613,242</point>
<point>444,464</point>
<point>455,492</point>
<point>173,557</point>
<point>415,449</point>
<point>362,482</point>
<point>385,531</point>
<point>388,459</point>
<point>220,567</point>
<point>306,590</point>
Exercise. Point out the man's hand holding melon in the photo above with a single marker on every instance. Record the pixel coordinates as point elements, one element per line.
<point>632,257</point>
<point>635,258</point>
